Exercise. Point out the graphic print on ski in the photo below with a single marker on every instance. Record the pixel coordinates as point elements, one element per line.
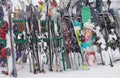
<point>105,19</point>
<point>33,44</point>
<point>86,17</point>
<point>107,34</point>
<point>66,38</point>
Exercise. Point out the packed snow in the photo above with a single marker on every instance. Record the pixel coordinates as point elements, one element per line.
<point>98,71</point>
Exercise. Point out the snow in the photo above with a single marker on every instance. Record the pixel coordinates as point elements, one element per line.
<point>98,71</point>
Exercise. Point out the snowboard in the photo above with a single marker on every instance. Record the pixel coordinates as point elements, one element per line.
<point>86,17</point>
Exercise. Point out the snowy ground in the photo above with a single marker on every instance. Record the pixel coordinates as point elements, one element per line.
<point>94,72</point>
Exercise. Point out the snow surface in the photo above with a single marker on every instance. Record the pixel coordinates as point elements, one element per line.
<point>98,71</point>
